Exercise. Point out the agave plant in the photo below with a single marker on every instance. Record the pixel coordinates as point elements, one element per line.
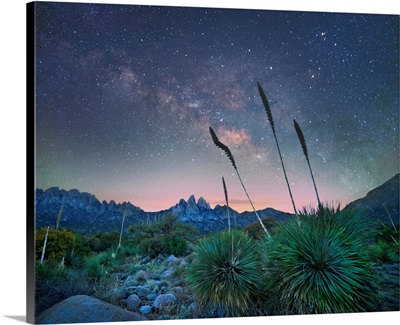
<point>227,274</point>
<point>271,122</point>
<point>303,143</point>
<point>225,148</point>
<point>323,266</point>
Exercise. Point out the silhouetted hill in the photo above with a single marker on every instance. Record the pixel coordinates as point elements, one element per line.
<point>375,201</point>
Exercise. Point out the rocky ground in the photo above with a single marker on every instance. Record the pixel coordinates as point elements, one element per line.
<point>156,289</point>
<point>389,281</point>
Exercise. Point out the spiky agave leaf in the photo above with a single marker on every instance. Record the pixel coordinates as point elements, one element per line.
<point>300,135</point>
<point>220,145</point>
<point>266,105</point>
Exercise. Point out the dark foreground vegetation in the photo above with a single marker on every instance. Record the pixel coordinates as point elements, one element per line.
<point>324,262</point>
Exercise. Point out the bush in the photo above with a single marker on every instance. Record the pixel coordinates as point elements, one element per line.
<point>176,245</point>
<point>254,229</point>
<point>54,283</point>
<point>227,274</point>
<point>60,243</point>
<point>103,241</point>
<point>319,264</point>
<point>168,236</point>
<point>384,253</point>
<point>94,270</point>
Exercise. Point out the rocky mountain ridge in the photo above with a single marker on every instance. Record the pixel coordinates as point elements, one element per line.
<point>83,212</point>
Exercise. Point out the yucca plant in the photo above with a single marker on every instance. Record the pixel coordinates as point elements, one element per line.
<point>222,146</point>
<point>227,203</point>
<point>303,143</point>
<point>322,266</point>
<point>227,273</point>
<point>271,122</point>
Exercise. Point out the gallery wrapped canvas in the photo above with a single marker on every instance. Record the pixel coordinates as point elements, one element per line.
<point>136,114</point>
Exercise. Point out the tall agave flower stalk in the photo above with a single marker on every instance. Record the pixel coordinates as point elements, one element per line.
<point>227,203</point>
<point>59,217</point>
<point>220,145</point>
<point>271,122</point>
<point>44,245</point>
<point>122,228</point>
<point>305,151</point>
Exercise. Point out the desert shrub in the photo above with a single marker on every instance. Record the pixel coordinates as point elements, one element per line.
<point>103,241</point>
<point>168,236</point>
<point>387,233</point>
<point>151,246</point>
<point>60,243</point>
<point>319,264</point>
<point>384,252</point>
<point>54,283</point>
<point>227,274</point>
<point>254,229</point>
<point>94,269</point>
<point>176,245</point>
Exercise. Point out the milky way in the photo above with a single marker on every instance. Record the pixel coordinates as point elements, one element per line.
<point>125,96</point>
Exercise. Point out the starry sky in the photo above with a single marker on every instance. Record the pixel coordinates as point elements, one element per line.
<point>125,96</point>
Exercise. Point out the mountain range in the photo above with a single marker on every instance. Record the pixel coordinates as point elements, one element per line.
<point>83,212</point>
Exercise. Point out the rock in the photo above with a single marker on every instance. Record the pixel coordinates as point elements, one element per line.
<point>118,276</point>
<point>151,296</point>
<point>130,281</point>
<point>145,260</point>
<point>85,309</point>
<point>168,274</point>
<point>140,275</point>
<point>192,207</point>
<point>164,300</point>
<point>142,291</point>
<point>178,290</point>
<point>133,302</point>
<point>171,258</point>
<point>145,309</point>
<point>117,294</point>
<point>202,204</point>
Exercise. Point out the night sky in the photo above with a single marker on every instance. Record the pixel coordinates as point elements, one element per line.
<point>125,96</point>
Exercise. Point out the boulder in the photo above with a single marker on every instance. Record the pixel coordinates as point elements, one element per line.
<point>142,291</point>
<point>168,274</point>
<point>132,302</point>
<point>163,301</point>
<point>145,309</point>
<point>85,309</point>
<point>117,294</point>
<point>171,259</point>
